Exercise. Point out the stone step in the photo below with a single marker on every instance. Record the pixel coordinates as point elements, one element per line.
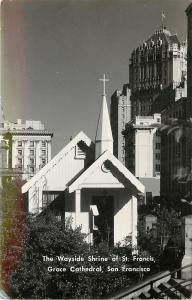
<point>169,290</point>
<point>183,287</point>
<point>155,291</point>
<point>173,289</point>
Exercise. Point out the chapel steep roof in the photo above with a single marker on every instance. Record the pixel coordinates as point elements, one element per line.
<point>104,137</point>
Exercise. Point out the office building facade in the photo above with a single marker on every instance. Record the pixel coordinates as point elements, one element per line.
<point>120,115</point>
<point>30,146</point>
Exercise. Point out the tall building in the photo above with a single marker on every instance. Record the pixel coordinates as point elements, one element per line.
<point>169,97</point>
<point>30,146</point>
<point>174,154</point>
<point>176,144</point>
<point>120,115</point>
<point>159,62</point>
<point>172,104</point>
<point>157,75</point>
<point>189,57</point>
<point>143,146</point>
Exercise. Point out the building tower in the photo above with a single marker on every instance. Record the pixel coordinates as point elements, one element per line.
<point>120,115</point>
<point>142,145</point>
<point>160,62</point>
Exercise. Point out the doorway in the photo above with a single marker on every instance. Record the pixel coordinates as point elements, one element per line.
<point>104,222</point>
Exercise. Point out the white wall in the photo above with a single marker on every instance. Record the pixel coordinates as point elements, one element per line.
<point>125,212</point>
<point>125,217</point>
<point>56,178</point>
<point>144,153</point>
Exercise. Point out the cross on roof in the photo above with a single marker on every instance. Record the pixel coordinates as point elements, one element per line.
<point>104,79</point>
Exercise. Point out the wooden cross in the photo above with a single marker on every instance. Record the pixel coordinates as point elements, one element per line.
<point>104,80</point>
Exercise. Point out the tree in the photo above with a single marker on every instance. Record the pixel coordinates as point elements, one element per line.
<point>165,243</point>
<point>12,205</point>
<point>46,236</point>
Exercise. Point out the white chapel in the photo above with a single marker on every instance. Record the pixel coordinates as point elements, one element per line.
<point>88,184</point>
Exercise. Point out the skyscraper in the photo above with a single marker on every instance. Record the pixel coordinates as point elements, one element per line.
<point>158,63</point>
<point>176,146</point>
<point>157,75</point>
<point>174,167</point>
<point>120,115</point>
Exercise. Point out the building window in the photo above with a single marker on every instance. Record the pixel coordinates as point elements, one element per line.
<point>48,197</point>
<point>31,152</point>
<point>43,152</point>
<point>157,133</point>
<point>149,198</point>
<point>32,169</point>
<point>79,154</point>
<point>158,145</point>
<point>43,144</point>
<point>31,161</point>
<point>19,161</point>
<point>19,152</point>
<point>43,162</point>
<point>158,120</point>
<point>31,144</point>
<point>19,143</point>
<point>157,168</point>
<point>158,156</point>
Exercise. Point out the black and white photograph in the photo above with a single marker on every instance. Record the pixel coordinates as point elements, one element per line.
<point>96,149</point>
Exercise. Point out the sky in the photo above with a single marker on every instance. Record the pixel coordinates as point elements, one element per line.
<point>53,53</point>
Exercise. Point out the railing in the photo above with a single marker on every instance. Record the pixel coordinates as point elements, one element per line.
<point>149,283</point>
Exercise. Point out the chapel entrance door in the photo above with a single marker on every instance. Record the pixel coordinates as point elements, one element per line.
<point>105,220</point>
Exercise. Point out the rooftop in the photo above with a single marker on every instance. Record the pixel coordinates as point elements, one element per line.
<point>29,127</point>
<point>161,36</point>
<point>165,35</point>
<point>29,124</point>
<point>27,131</point>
